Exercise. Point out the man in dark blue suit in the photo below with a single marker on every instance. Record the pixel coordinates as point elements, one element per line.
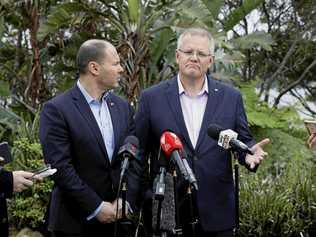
<point>81,132</point>
<point>186,105</point>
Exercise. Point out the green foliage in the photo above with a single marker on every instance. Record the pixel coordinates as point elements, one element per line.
<point>27,209</point>
<point>255,39</point>
<point>133,10</point>
<point>213,6</point>
<point>260,115</point>
<point>60,17</point>
<point>4,89</point>
<point>239,13</point>
<point>280,199</point>
<point>8,123</point>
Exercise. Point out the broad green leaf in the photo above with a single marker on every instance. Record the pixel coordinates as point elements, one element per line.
<point>239,13</point>
<point>62,15</point>
<point>255,39</point>
<point>213,6</point>
<point>194,14</point>
<point>161,43</point>
<point>7,116</point>
<point>1,26</point>
<point>133,10</point>
<point>4,88</point>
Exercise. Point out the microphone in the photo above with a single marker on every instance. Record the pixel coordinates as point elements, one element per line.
<point>171,145</point>
<point>167,215</point>
<point>128,151</point>
<point>227,139</point>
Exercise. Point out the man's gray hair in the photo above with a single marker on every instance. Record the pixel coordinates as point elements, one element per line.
<point>91,50</point>
<point>197,32</point>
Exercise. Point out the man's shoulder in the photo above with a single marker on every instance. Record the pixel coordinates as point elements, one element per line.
<point>117,98</point>
<point>161,86</point>
<point>61,98</point>
<point>224,87</point>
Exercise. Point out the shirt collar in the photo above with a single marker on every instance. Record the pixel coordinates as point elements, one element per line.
<point>203,90</point>
<point>87,96</point>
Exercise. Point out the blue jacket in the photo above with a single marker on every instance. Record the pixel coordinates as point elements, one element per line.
<point>160,110</point>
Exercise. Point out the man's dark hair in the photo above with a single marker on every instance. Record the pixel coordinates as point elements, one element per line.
<point>91,50</point>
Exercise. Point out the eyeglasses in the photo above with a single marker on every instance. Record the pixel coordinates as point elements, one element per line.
<point>190,53</point>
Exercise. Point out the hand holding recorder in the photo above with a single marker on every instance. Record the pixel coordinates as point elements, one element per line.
<point>311,128</point>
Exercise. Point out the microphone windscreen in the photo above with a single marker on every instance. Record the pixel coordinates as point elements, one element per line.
<point>130,147</point>
<point>167,221</point>
<point>214,130</point>
<point>133,140</point>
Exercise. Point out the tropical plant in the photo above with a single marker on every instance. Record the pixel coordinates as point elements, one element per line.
<point>28,209</point>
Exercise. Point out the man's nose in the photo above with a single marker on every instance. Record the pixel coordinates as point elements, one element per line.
<point>194,56</point>
<point>121,69</point>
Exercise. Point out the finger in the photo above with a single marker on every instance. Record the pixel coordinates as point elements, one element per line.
<point>27,174</point>
<point>312,142</point>
<point>27,182</point>
<point>21,187</point>
<point>263,142</point>
<point>37,177</point>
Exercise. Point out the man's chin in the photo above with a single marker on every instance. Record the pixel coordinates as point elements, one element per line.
<point>193,74</point>
<point>114,86</point>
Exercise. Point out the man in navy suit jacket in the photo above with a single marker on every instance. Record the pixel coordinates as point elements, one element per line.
<point>186,105</point>
<point>81,132</point>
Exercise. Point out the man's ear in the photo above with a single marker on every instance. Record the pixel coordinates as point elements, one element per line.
<point>93,68</point>
<point>212,59</point>
<point>177,56</point>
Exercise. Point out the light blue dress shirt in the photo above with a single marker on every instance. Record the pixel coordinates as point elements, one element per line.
<point>102,115</point>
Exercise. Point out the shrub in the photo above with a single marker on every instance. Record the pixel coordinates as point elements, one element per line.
<point>280,199</point>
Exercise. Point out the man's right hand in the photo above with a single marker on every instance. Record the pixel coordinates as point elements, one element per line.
<point>21,180</point>
<point>107,213</point>
<point>312,141</point>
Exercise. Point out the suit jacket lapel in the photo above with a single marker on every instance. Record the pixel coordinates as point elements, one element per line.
<point>86,112</point>
<point>172,93</point>
<point>211,105</point>
<point>115,117</point>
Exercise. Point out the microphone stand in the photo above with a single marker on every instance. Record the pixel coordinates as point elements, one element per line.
<point>159,195</point>
<point>236,174</point>
<point>124,189</point>
<point>178,229</point>
<point>193,220</point>
<point>124,223</point>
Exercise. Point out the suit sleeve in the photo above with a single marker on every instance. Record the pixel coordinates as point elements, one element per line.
<point>56,143</point>
<point>243,130</point>
<point>134,171</point>
<point>6,183</point>
<point>143,128</point>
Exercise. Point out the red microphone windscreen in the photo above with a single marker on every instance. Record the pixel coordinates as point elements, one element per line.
<point>170,142</point>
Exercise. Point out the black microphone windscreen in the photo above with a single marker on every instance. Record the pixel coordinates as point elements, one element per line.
<point>167,222</point>
<point>213,131</point>
<point>133,140</point>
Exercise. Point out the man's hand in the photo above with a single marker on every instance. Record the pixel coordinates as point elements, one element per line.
<point>21,180</point>
<point>107,213</point>
<point>119,208</point>
<point>117,204</point>
<point>259,153</point>
<point>312,141</point>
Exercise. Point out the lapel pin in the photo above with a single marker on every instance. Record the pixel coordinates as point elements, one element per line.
<point>111,104</point>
